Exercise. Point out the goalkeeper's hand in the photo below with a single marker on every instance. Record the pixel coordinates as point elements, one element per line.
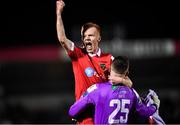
<point>152,98</point>
<point>156,101</point>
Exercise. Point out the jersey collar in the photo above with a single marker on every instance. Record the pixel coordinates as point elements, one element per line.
<point>98,53</point>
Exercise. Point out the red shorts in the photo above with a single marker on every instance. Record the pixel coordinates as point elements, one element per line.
<point>87,121</point>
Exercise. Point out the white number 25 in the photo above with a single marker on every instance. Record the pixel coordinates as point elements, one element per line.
<point>120,106</point>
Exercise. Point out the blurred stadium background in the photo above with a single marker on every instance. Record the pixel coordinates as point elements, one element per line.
<point>36,78</point>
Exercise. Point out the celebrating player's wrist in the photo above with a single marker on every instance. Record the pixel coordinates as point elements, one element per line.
<point>127,82</point>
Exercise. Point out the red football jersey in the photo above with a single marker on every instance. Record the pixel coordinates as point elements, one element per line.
<point>88,70</point>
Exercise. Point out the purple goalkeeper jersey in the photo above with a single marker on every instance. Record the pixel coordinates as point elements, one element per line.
<point>113,104</point>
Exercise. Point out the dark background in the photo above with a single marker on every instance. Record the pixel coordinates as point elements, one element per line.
<point>33,22</point>
<point>41,92</point>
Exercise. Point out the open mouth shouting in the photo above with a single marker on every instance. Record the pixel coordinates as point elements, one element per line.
<point>88,45</point>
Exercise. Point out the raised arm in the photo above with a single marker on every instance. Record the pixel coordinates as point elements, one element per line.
<point>66,43</point>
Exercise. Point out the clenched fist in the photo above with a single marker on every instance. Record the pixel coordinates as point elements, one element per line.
<point>59,6</point>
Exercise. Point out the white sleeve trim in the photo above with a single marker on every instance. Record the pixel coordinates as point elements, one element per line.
<point>92,88</point>
<point>137,95</point>
<point>112,58</point>
<point>72,46</point>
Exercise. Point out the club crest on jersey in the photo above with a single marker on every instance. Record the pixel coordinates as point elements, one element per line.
<point>103,66</point>
<point>89,71</point>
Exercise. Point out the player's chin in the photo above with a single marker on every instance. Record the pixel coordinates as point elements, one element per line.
<point>89,51</point>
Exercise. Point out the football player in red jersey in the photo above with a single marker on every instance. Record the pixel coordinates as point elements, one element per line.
<point>90,64</point>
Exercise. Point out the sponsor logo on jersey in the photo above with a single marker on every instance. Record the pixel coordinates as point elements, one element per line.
<point>89,72</point>
<point>122,94</point>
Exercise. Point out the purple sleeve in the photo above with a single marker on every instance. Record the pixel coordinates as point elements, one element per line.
<point>83,102</point>
<point>141,108</point>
